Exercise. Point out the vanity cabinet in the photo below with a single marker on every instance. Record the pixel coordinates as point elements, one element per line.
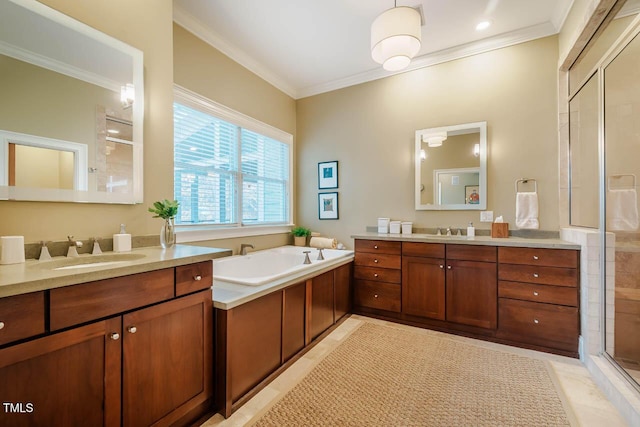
<point>423,280</point>
<point>21,316</point>
<point>539,295</point>
<point>321,302</point>
<point>111,362</point>
<point>377,275</point>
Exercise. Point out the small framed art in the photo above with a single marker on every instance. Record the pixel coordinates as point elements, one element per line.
<point>328,175</point>
<point>328,205</point>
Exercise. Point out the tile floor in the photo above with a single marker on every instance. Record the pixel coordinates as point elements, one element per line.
<point>590,406</point>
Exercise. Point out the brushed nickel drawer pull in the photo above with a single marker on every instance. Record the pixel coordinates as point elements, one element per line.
<point>1,325</point>
<point>375,295</point>
<point>375,247</point>
<point>535,257</point>
<point>132,329</point>
<point>536,321</point>
<point>375,260</point>
<point>375,275</point>
<point>115,336</point>
<point>535,293</point>
<point>448,267</point>
<point>197,278</point>
<point>536,275</point>
<point>441,266</point>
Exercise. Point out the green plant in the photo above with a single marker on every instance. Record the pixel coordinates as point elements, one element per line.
<point>165,209</point>
<point>300,231</point>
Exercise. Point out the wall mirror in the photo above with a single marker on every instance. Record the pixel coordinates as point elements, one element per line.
<point>451,167</point>
<point>71,109</point>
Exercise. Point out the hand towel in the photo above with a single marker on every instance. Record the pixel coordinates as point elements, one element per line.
<point>527,210</point>
<point>622,210</point>
<point>323,242</point>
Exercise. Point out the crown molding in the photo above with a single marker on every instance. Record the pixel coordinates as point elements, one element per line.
<point>197,28</point>
<point>485,45</point>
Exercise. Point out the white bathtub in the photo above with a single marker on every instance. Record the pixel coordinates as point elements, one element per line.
<point>271,265</point>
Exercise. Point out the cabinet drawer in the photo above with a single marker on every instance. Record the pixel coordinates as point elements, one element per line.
<point>383,296</point>
<point>543,275</point>
<point>377,274</point>
<point>378,246</point>
<point>193,277</point>
<point>21,316</point>
<point>547,325</point>
<point>472,253</point>
<point>537,256</point>
<point>431,250</point>
<point>538,293</point>
<point>378,260</point>
<point>77,304</point>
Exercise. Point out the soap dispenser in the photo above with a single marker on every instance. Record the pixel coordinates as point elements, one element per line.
<point>471,230</point>
<point>122,240</point>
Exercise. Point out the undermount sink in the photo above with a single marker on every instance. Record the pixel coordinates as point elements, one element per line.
<point>88,261</point>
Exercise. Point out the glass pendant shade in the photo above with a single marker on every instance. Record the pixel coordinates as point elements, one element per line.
<point>434,139</point>
<point>395,37</point>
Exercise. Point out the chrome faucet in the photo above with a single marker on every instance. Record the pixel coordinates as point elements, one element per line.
<point>243,248</point>
<point>306,257</point>
<point>73,247</point>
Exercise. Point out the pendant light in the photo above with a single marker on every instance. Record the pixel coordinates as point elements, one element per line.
<point>395,37</point>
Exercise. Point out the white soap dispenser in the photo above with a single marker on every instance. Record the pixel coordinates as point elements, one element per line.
<point>471,230</point>
<point>122,240</point>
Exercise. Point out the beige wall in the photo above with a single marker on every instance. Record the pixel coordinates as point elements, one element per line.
<point>146,25</point>
<point>43,168</point>
<point>369,129</point>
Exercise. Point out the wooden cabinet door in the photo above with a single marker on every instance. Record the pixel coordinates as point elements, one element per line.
<point>321,306</point>
<point>342,290</point>
<point>71,378</point>
<point>293,326</point>
<point>167,354</point>
<point>472,293</point>
<point>423,287</point>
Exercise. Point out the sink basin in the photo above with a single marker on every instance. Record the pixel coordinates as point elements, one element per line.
<point>88,261</point>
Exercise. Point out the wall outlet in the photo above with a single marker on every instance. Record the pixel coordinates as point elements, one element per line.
<point>486,216</point>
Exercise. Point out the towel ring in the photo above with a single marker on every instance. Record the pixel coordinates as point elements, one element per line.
<point>525,180</point>
<point>624,175</point>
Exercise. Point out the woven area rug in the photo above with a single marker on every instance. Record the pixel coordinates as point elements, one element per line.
<point>387,376</point>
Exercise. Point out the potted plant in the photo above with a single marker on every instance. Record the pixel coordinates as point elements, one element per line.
<point>167,210</point>
<point>300,235</point>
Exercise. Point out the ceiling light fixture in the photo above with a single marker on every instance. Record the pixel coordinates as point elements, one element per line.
<point>434,139</point>
<point>483,25</point>
<point>395,37</point>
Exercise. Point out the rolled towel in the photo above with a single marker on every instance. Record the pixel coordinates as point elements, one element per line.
<point>323,242</point>
<point>527,210</point>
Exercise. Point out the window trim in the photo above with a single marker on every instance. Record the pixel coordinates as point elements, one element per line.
<point>199,232</point>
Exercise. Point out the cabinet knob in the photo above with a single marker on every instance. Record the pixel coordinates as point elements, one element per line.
<point>535,293</point>
<point>375,275</point>
<point>536,275</point>
<point>115,336</point>
<point>375,260</point>
<point>441,266</point>
<point>132,329</point>
<point>197,278</point>
<point>375,295</point>
<point>375,247</point>
<point>536,321</point>
<point>535,257</point>
<point>1,325</point>
<point>448,267</point>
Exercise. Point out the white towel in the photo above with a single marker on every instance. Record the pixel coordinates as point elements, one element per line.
<point>527,210</point>
<point>622,210</point>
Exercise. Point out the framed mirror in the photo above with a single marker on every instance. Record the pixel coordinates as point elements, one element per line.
<point>451,167</point>
<point>71,115</point>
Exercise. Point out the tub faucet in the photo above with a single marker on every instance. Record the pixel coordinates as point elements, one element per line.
<point>306,257</point>
<point>73,247</point>
<point>243,248</point>
<point>320,255</point>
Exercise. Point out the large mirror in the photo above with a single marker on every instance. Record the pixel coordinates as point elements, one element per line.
<point>71,109</point>
<point>450,167</point>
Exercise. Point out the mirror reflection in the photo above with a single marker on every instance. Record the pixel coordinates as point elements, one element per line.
<point>71,116</point>
<point>451,167</point>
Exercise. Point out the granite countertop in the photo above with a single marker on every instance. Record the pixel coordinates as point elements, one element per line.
<point>33,275</point>
<point>477,240</point>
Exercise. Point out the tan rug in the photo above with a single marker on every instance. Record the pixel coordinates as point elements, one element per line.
<point>387,376</point>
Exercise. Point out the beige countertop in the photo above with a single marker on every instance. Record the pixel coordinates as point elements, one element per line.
<point>478,240</point>
<point>33,275</point>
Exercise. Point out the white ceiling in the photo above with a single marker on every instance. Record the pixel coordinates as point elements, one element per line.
<point>306,47</point>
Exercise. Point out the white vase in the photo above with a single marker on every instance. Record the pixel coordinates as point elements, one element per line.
<point>168,234</point>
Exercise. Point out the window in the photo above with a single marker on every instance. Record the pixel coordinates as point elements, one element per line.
<point>229,169</point>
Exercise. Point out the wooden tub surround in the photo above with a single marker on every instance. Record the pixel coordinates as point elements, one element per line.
<point>487,289</point>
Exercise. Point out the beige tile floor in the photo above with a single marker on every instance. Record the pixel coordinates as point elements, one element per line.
<point>589,405</point>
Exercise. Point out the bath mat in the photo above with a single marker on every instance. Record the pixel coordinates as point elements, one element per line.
<point>387,376</point>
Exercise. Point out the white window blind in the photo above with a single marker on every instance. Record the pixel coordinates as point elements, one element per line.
<point>225,174</point>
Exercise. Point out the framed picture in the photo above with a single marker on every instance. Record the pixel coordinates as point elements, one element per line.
<point>471,195</point>
<point>328,175</point>
<point>328,205</point>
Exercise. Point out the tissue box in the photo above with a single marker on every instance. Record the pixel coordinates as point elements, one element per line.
<point>500,229</point>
